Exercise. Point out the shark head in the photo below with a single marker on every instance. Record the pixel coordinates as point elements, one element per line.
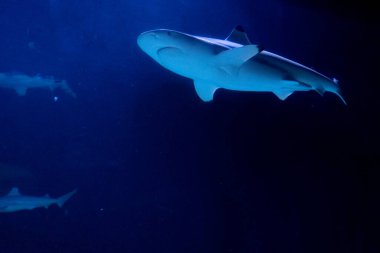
<point>174,50</point>
<point>158,43</point>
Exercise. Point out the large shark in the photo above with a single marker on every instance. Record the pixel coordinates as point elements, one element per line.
<point>21,83</point>
<point>14,201</point>
<point>233,63</point>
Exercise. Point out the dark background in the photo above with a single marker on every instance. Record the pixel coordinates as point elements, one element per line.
<point>157,169</point>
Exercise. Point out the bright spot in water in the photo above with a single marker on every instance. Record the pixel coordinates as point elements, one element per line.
<point>55,99</point>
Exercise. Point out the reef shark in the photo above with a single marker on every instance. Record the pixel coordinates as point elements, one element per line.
<point>21,83</point>
<point>233,64</point>
<point>14,201</point>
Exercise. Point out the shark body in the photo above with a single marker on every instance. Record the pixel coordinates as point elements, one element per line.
<point>21,83</point>
<point>233,63</point>
<point>14,201</point>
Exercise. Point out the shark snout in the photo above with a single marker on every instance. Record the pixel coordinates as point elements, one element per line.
<point>157,38</point>
<point>149,42</point>
<point>153,42</point>
<point>149,39</point>
<point>144,38</point>
<point>148,35</point>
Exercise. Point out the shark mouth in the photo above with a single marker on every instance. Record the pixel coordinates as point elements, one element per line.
<point>169,52</point>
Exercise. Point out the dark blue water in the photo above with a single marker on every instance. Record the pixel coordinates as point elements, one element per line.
<point>157,169</point>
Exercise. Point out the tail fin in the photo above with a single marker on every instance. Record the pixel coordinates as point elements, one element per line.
<point>61,200</point>
<point>340,96</point>
<point>338,92</point>
<point>65,87</point>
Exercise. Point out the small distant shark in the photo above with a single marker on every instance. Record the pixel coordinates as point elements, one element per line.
<point>14,201</point>
<point>21,83</point>
<point>233,64</point>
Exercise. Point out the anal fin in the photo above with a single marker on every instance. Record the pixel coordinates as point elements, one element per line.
<point>320,91</point>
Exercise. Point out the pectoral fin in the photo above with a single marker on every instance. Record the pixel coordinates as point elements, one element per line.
<point>237,56</point>
<point>205,90</point>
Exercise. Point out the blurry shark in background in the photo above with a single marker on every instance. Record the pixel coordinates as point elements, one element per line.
<point>21,83</point>
<point>233,64</point>
<point>14,201</point>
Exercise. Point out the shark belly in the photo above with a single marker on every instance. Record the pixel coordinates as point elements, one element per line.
<point>194,65</point>
<point>308,78</point>
<point>253,76</point>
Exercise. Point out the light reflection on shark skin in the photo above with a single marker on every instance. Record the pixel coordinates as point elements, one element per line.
<point>233,64</point>
<point>14,201</point>
<point>21,83</point>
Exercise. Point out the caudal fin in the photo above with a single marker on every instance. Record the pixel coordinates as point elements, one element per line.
<point>339,94</point>
<point>66,88</point>
<point>61,200</point>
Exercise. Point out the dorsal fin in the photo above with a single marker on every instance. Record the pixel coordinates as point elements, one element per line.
<point>14,192</point>
<point>238,35</point>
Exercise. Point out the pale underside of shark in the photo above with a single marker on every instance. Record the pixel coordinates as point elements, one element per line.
<point>21,83</point>
<point>233,64</point>
<point>14,201</point>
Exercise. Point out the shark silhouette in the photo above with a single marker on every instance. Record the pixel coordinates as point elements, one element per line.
<point>21,83</point>
<point>233,64</point>
<point>14,201</point>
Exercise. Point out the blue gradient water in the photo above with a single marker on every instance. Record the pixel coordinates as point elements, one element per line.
<point>157,169</point>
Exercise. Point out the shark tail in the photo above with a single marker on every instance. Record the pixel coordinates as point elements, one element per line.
<point>339,94</point>
<point>65,87</point>
<point>62,200</point>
